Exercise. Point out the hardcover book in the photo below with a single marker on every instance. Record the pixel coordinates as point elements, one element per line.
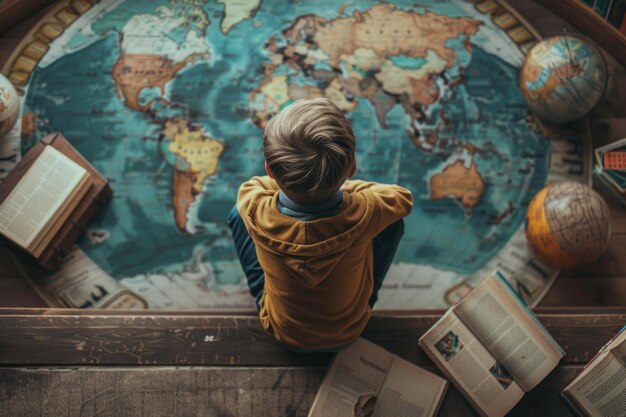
<point>49,198</point>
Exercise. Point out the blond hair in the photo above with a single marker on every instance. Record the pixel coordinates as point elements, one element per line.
<point>309,146</point>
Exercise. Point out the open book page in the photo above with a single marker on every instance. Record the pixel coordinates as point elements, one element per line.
<point>45,236</point>
<point>600,390</point>
<point>409,390</point>
<point>353,380</point>
<point>38,195</point>
<point>509,332</point>
<point>80,283</point>
<point>470,366</point>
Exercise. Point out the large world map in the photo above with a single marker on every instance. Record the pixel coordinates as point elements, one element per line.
<point>168,99</point>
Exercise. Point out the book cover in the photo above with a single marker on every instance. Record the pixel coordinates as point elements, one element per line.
<point>98,194</point>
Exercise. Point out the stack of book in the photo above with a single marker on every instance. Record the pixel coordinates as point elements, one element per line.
<point>609,174</point>
<point>48,199</point>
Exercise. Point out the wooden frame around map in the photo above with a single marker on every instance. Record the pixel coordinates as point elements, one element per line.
<point>35,44</point>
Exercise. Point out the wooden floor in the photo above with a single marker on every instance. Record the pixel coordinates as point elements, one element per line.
<point>78,362</point>
<point>601,283</point>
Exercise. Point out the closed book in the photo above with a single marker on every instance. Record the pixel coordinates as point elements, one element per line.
<point>616,13</point>
<point>602,6</point>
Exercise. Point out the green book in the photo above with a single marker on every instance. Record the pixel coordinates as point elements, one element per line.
<point>602,7</point>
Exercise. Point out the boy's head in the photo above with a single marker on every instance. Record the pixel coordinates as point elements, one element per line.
<point>309,149</point>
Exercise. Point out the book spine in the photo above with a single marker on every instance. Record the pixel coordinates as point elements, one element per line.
<point>69,234</point>
<point>616,13</point>
<point>530,313</point>
<point>602,6</point>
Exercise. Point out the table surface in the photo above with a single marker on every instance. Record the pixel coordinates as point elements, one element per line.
<point>75,362</point>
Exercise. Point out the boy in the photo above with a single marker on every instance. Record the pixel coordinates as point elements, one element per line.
<point>315,247</point>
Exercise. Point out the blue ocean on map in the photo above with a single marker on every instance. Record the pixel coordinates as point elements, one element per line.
<point>480,104</point>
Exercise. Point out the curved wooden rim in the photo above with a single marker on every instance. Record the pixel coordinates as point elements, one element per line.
<point>35,33</point>
<point>511,9</point>
<point>591,25</point>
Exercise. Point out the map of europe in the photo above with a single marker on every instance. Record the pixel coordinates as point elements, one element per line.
<point>168,99</point>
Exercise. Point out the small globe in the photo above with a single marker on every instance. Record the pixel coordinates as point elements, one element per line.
<point>568,224</point>
<point>9,106</point>
<point>563,78</point>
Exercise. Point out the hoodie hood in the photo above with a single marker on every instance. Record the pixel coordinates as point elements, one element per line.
<point>308,250</point>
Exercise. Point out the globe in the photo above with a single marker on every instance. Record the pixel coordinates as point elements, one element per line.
<point>568,224</point>
<point>563,78</point>
<point>9,106</point>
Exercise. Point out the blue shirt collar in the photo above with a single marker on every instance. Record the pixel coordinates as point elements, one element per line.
<point>310,211</point>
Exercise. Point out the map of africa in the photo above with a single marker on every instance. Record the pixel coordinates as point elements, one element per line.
<point>168,100</point>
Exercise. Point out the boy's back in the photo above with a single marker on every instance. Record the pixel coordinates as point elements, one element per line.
<point>306,244</point>
<point>318,274</point>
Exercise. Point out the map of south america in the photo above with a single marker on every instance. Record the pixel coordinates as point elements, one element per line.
<point>140,68</point>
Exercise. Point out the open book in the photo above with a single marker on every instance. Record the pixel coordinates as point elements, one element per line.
<point>492,347</point>
<point>42,200</point>
<point>366,380</point>
<point>79,283</point>
<point>600,389</point>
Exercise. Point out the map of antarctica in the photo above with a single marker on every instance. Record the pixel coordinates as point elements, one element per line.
<point>168,100</point>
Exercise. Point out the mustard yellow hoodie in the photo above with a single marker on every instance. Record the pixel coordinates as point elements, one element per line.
<point>318,273</point>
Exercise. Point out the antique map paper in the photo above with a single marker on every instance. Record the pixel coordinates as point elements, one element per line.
<point>168,100</point>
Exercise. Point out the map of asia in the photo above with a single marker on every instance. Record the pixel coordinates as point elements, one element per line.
<point>168,99</point>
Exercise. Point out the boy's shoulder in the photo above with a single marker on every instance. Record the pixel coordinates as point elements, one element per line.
<point>392,199</point>
<point>358,186</point>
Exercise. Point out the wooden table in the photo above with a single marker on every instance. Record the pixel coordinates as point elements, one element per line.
<point>67,362</point>
<point>73,362</point>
